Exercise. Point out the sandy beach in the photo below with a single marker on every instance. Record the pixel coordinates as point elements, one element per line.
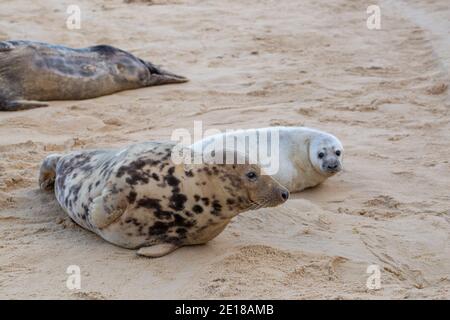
<point>251,64</point>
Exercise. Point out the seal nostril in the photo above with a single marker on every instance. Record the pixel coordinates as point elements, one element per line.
<point>285,195</point>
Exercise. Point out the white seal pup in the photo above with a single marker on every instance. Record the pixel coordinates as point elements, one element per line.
<point>139,198</point>
<point>306,157</point>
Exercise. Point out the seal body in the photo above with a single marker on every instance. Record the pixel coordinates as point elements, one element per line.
<point>137,197</point>
<point>306,157</point>
<point>34,71</point>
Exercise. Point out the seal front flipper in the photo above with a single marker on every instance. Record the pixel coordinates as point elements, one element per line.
<point>157,250</point>
<point>20,105</point>
<point>107,207</point>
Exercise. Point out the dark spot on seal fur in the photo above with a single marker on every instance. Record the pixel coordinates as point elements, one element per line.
<point>188,213</point>
<point>132,197</point>
<point>155,205</point>
<point>170,178</point>
<point>135,171</point>
<point>181,221</point>
<point>177,201</point>
<point>162,228</point>
<point>197,209</point>
<point>74,191</point>
<point>205,201</point>
<point>85,209</point>
<point>172,181</point>
<point>158,228</point>
<point>189,173</point>
<point>230,201</point>
<point>216,208</point>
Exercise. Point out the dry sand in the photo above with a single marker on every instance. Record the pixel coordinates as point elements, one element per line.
<point>251,63</point>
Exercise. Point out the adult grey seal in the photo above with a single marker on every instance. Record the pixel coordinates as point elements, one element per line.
<point>33,71</point>
<point>306,157</point>
<point>138,198</point>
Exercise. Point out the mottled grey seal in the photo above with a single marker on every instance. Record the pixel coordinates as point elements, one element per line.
<point>306,157</point>
<point>138,198</point>
<point>34,71</point>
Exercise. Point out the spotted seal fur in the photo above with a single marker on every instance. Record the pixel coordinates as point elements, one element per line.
<point>138,198</point>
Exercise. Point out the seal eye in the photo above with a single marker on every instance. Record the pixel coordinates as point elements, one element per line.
<point>321,155</point>
<point>252,175</point>
<point>338,152</point>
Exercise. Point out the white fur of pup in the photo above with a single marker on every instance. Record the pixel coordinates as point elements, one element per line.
<point>306,157</point>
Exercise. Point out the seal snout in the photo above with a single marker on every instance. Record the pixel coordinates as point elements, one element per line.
<point>283,194</point>
<point>332,166</point>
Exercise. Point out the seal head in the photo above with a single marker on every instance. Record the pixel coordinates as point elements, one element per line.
<point>326,155</point>
<point>244,185</point>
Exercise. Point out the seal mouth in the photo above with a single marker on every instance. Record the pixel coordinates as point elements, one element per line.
<point>331,170</point>
<point>270,201</point>
<point>331,167</point>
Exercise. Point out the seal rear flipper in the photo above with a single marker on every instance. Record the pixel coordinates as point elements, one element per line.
<point>47,174</point>
<point>20,105</point>
<point>159,76</point>
<point>157,250</point>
